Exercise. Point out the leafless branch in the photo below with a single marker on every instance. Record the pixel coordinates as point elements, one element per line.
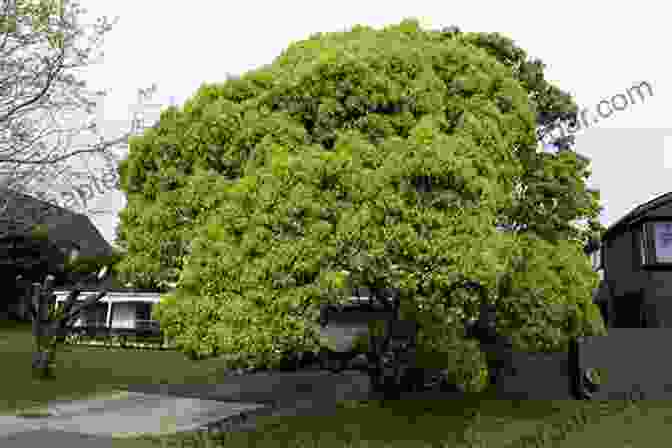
<point>37,86</point>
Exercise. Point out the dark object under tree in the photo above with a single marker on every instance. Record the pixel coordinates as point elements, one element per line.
<point>392,355</point>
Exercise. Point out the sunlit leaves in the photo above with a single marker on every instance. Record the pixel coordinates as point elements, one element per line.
<point>371,158</point>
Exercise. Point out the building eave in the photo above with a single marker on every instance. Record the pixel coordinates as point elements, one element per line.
<point>636,215</point>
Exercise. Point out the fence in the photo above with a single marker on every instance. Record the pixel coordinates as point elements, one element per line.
<point>632,364</point>
<point>534,375</point>
<point>633,361</point>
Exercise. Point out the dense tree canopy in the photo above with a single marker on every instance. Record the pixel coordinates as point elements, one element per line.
<point>378,158</point>
<point>552,195</point>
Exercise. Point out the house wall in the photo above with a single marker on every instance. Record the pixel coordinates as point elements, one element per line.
<point>619,261</point>
<point>638,290</point>
<point>19,308</point>
<point>657,302</point>
<point>95,315</point>
<point>344,326</point>
<point>657,287</point>
<point>626,279</point>
<point>18,304</point>
<point>123,311</point>
<point>343,334</point>
<point>123,315</point>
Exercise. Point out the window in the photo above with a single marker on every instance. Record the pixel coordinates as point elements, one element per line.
<point>663,240</point>
<point>656,243</point>
<point>143,311</point>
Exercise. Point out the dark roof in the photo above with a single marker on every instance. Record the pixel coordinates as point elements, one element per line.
<point>637,214</point>
<point>111,282</point>
<point>65,227</point>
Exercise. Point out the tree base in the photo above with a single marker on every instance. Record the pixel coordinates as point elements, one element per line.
<point>42,366</point>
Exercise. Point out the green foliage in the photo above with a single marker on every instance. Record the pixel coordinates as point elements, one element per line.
<point>544,299</point>
<point>89,265</point>
<point>463,360</point>
<point>555,196</point>
<point>381,157</point>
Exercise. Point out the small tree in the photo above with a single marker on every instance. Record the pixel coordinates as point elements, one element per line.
<point>50,326</point>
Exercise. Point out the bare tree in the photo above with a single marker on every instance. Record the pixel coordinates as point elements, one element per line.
<point>40,51</point>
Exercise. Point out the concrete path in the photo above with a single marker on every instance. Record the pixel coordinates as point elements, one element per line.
<point>38,438</point>
<point>128,415</point>
<point>167,409</point>
<point>271,387</point>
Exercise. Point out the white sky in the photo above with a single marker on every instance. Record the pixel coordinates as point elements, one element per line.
<point>593,50</point>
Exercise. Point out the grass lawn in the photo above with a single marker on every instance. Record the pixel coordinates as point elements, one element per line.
<point>649,424</point>
<point>85,371</point>
<point>415,424</point>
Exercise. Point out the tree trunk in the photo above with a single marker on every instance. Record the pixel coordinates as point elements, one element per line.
<point>42,364</point>
<point>48,331</point>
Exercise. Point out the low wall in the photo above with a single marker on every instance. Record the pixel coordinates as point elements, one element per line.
<point>549,376</point>
<point>635,361</point>
<point>525,375</point>
<point>534,375</point>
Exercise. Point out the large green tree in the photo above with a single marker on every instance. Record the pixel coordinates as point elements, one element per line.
<point>552,196</point>
<point>381,158</point>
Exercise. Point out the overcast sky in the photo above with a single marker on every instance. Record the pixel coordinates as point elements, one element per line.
<point>594,50</point>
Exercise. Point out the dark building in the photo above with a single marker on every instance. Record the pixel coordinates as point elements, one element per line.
<point>69,234</point>
<point>635,255</point>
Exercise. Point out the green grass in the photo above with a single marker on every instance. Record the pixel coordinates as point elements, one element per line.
<point>85,371</point>
<point>648,424</point>
<point>418,423</point>
<point>82,371</point>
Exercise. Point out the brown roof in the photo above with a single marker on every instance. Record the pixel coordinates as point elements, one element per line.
<point>65,228</point>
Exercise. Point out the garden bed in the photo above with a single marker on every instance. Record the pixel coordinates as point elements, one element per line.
<point>112,342</point>
<point>124,338</point>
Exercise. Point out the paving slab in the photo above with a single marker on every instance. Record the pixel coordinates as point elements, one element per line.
<point>10,424</point>
<point>38,438</point>
<point>168,409</point>
<point>127,414</point>
<point>272,388</point>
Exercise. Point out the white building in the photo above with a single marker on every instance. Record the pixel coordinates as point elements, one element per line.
<point>118,309</point>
